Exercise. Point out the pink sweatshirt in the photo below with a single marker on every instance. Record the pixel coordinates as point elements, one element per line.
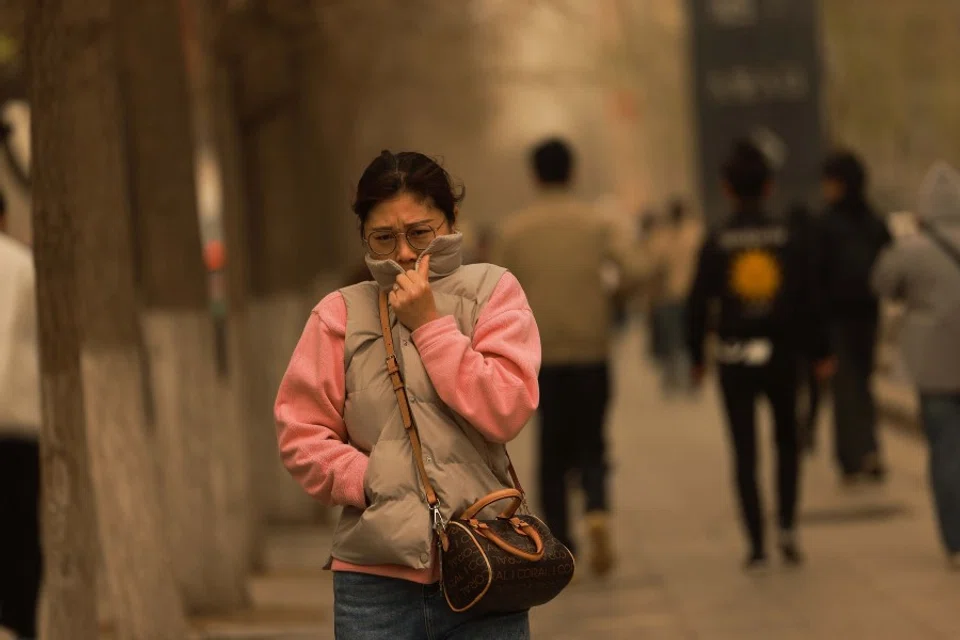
<point>490,380</point>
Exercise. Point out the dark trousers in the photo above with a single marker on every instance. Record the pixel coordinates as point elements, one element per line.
<point>573,406</point>
<point>20,563</point>
<point>809,409</point>
<point>741,387</point>
<point>854,411</point>
<point>656,348</point>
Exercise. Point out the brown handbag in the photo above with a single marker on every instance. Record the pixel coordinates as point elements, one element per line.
<point>507,564</point>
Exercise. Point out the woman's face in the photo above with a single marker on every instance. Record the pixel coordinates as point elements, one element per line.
<point>400,229</point>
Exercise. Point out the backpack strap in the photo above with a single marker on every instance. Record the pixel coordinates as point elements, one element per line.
<point>942,242</point>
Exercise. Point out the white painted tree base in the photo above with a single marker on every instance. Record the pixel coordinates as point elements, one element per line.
<point>142,588</point>
<point>274,328</point>
<point>197,453</point>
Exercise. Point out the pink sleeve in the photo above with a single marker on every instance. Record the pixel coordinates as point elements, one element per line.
<point>309,412</point>
<point>491,381</point>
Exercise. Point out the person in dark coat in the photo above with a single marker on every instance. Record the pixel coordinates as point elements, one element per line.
<point>851,238</point>
<point>756,269</point>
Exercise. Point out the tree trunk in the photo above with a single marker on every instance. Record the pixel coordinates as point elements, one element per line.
<point>69,525</point>
<point>278,241</point>
<point>327,112</point>
<point>218,128</point>
<point>190,413</point>
<point>91,370</point>
<point>276,314</point>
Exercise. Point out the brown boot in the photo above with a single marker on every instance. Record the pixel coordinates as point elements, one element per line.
<point>601,550</point>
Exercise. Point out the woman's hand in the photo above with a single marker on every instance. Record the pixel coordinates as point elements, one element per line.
<point>412,299</point>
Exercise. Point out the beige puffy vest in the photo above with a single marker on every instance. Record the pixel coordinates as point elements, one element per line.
<point>462,465</point>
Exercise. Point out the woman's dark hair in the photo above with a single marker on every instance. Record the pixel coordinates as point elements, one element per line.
<point>847,169</point>
<point>746,170</point>
<point>553,161</point>
<point>391,174</point>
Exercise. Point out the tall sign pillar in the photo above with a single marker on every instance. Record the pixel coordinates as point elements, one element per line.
<point>756,69</point>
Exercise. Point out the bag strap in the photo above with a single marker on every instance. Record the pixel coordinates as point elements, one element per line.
<point>942,242</point>
<point>393,368</point>
<point>400,389</point>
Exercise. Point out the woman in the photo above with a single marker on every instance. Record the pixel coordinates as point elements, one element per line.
<point>922,272</point>
<point>469,352</point>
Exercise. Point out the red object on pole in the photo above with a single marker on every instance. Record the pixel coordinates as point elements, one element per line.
<point>215,255</point>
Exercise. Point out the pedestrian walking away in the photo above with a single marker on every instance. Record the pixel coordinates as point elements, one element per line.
<point>756,268</point>
<point>558,248</point>
<point>851,238</point>
<point>674,251</point>
<point>922,271</point>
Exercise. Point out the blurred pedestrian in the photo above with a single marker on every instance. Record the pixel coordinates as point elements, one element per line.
<point>675,251</point>
<point>652,293</point>
<point>756,269</point>
<point>20,550</point>
<point>923,271</point>
<point>558,248</point>
<point>468,352</point>
<point>619,290</point>
<point>851,237</point>
<point>809,386</point>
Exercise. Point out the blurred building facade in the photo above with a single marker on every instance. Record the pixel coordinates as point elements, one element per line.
<point>477,82</point>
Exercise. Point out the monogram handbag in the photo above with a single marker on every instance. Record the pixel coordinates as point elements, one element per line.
<point>507,564</point>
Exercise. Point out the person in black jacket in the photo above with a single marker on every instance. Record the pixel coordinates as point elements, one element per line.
<point>758,270</point>
<point>851,238</point>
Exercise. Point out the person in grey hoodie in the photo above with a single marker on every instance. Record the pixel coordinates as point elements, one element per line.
<point>923,271</point>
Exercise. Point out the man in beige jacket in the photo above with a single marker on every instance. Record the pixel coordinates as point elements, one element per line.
<point>558,248</point>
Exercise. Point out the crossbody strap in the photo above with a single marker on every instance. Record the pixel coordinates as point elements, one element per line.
<point>400,389</point>
<point>393,368</point>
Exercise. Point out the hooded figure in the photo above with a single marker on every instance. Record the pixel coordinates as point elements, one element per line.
<point>923,271</point>
<point>850,240</point>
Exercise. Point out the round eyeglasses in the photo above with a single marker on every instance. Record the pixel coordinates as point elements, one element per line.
<point>383,242</point>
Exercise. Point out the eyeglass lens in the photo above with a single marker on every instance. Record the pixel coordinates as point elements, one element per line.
<point>384,243</point>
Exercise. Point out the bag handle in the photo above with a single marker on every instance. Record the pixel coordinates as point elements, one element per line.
<point>496,496</point>
<point>400,389</point>
<point>523,528</point>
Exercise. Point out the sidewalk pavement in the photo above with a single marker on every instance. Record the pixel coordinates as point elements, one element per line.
<point>874,569</point>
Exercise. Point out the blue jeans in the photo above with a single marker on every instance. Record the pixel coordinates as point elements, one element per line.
<point>367,607</point>
<point>941,419</point>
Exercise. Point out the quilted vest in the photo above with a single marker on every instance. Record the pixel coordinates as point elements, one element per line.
<point>462,465</point>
